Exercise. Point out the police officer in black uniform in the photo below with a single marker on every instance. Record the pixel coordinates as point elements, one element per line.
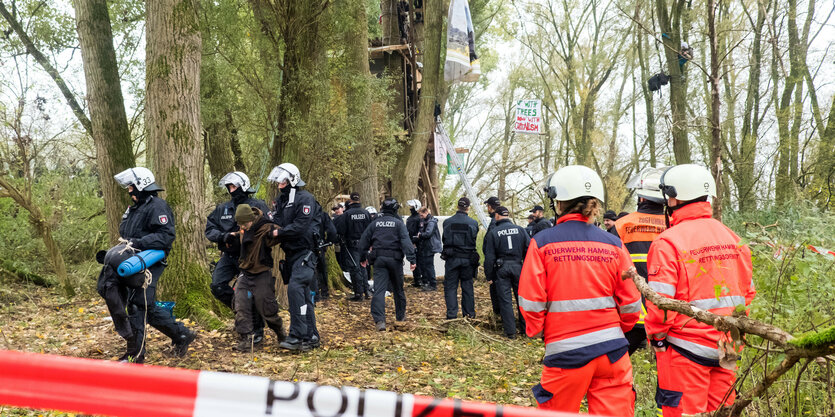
<point>327,235</point>
<point>149,224</point>
<point>350,226</point>
<point>413,227</point>
<point>540,223</point>
<point>492,204</point>
<point>220,226</point>
<point>504,248</point>
<point>461,258</point>
<point>389,239</point>
<point>298,215</point>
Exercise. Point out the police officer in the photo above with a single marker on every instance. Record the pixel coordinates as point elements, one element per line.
<point>298,215</point>
<point>429,238</point>
<point>350,227</point>
<point>220,227</point>
<point>149,224</point>
<point>413,227</point>
<point>504,248</point>
<point>327,235</point>
<point>540,223</point>
<point>389,239</point>
<point>461,258</point>
<point>637,231</point>
<point>492,203</point>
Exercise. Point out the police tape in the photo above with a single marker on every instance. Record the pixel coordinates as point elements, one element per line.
<point>780,250</point>
<point>127,390</point>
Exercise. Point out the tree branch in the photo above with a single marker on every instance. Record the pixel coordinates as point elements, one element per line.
<point>47,66</point>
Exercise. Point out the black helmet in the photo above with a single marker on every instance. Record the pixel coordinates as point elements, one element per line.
<point>390,204</point>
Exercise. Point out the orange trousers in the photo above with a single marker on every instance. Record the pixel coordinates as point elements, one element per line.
<point>608,387</point>
<point>685,387</point>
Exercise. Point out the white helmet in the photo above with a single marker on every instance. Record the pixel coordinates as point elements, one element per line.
<point>141,178</point>
<point>371,210</point>
<point>574,181</point>
<point>238,179</point>
<point>286,172</point>
<point>415,204</point>
<point>647,184</point>
<point>687,182</point>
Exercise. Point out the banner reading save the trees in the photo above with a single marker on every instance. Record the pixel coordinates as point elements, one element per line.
<point>528,116</point>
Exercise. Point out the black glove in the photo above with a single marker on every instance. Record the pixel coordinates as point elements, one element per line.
<point>228,237</point>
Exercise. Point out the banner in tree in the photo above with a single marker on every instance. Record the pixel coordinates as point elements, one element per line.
<point>461,60</point>
<point>528,116</point>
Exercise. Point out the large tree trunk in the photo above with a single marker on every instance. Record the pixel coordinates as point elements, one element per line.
<point>110,131</point>
<point>670,22</point>
<point>358,96</point>
<point>217,118</point>
<point>784,180</point>
<point>649,103</point>
<point>404,181</point>
<point>173,54</point>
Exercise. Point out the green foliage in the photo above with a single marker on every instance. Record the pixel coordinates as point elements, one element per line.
<point>816,339</point>
<point>71,204</point>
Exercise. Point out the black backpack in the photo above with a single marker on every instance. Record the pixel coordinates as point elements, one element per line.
<point>656,81</point>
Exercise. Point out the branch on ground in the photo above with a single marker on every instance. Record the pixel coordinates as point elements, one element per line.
<point>812,345</point>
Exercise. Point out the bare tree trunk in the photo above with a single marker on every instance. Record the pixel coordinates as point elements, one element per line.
<point>173,55</point>
<point>784,188</point>
<point>715,128</point>
<point>670,22</point>
<point>110,131</point>
<point>405,177</point>
<point>649,103</point>
<point>358,95</point>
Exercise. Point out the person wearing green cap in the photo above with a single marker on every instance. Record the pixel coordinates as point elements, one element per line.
<point>255,284</point>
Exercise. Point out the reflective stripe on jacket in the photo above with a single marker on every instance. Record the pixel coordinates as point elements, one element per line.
<point>701,261</point>
<point>572,293</point>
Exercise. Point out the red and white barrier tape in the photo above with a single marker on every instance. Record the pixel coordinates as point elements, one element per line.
<point>779,250</point>
<point>126,390</point>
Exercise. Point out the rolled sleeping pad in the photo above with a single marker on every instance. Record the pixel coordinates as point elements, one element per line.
<point>137,263</point>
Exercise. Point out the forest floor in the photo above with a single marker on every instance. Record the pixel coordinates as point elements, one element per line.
<point>466,359</point>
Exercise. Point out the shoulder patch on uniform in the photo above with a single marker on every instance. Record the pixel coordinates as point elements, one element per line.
<point>306,210</point>
<point>163,219</point>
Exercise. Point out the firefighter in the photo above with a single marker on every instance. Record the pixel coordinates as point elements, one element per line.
<point>571,292</point>
<point>637,230</point>
<point>700,261</point>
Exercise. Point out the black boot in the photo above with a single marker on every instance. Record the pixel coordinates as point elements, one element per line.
<point>183,341</point>
<point>246,343</point>
<point>280,334</point>
<point>135,352</point>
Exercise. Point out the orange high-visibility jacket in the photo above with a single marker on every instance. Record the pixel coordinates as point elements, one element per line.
<point>701,261</point>
<point>572,293</point>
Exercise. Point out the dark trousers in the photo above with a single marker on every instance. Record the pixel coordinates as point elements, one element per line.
<point>388,275</point>
<point>637,338</point>
<point>115,296</point>
<point>143,303</point>
<point>459,270</point>
<point>418,272</point>
<point>507,289</point>
<point>225,271</point>
<point>302,317</point>
<point>426,264</point>
<point>359,275</point>
<point>321,287</point>
<point>256,292</point>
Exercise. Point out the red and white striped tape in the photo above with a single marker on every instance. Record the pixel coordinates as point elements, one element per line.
<point>822,251</point>
<point>126,390</point>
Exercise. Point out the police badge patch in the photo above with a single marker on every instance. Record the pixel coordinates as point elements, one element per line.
<point>306,210</point>
<point>163,219</point>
